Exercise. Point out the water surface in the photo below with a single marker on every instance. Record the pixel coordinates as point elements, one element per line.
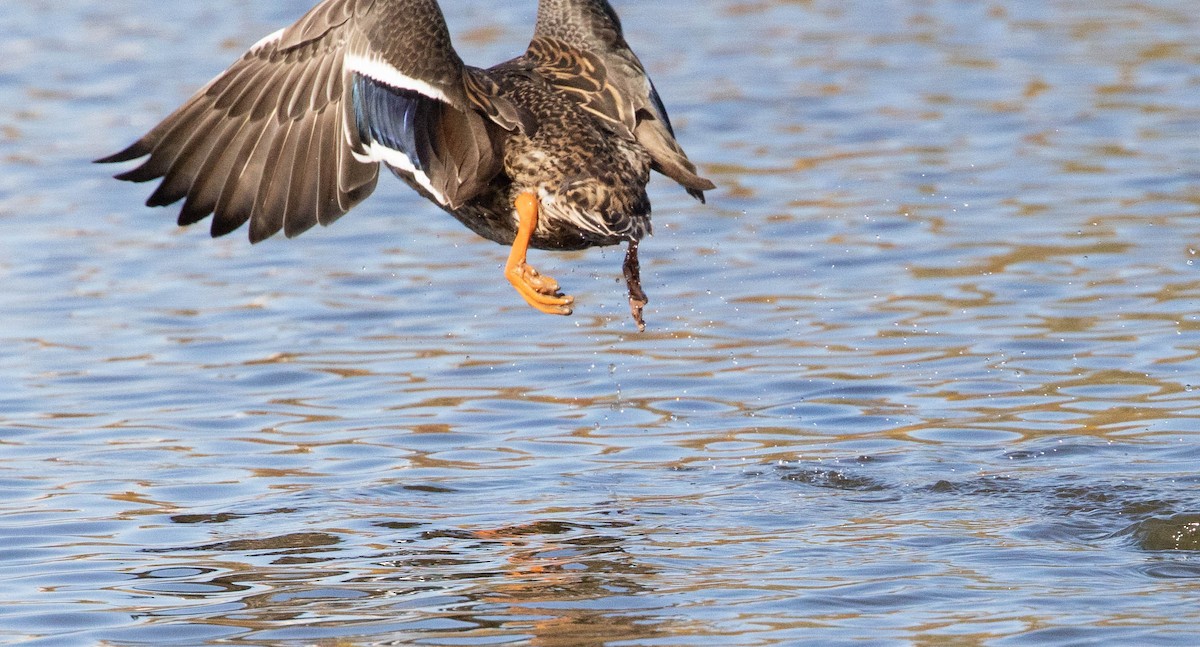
<point>923,371</point>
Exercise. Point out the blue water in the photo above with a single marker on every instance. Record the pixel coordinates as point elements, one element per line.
<point>925,369</point>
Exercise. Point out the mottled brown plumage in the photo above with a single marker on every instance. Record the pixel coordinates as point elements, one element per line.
<point>591,185</point>
<point>294,132</point>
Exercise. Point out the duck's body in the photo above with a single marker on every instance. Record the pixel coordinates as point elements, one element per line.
<point>551,150</point>
<point>591,186</point>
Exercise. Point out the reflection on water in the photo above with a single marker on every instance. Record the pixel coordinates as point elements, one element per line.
<point>924,370</point>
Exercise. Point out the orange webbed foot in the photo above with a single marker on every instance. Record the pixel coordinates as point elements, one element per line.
<point>538,290</point>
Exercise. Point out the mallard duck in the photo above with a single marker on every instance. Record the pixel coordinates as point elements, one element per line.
<point>551,150</point>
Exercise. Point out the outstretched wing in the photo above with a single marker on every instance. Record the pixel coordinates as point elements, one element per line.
<point>288,136</point>
<point>579,47</point>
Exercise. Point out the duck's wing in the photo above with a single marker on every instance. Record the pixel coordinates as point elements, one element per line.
<point>579,47</point>
<point>292,134</point>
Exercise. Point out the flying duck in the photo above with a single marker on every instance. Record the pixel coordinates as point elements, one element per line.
<point>551,150</point>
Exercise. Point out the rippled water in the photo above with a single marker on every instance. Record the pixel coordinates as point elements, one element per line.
<point>924,371</point>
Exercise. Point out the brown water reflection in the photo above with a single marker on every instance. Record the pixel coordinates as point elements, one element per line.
<point>539,582</point>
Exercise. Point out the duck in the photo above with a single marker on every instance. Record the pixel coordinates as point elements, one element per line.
<point>551,150</point>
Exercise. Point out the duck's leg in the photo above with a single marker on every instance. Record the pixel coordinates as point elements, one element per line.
<point>633,278</point>
<point>539,291</point>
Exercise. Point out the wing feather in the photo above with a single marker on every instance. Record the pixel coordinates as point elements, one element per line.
<point>301,212</point>
<point>292,134</point>
<point>248,146</point>
<point>212,169</point>
<point>271,202</point>
<point>180,161</point>
<point>236,204</point>
<point>579,47</point>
